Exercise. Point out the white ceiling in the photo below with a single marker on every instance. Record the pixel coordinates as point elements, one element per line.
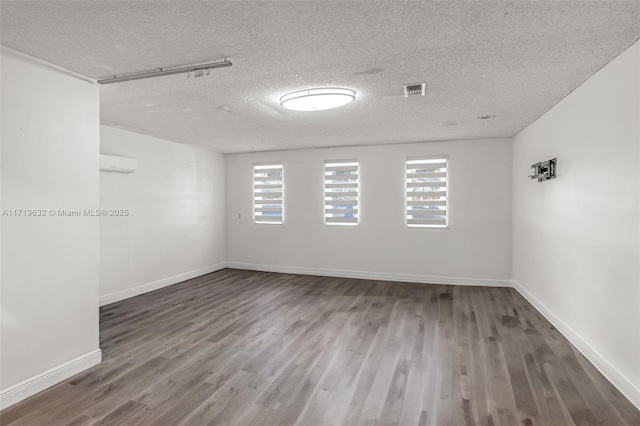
<point>511,59</point>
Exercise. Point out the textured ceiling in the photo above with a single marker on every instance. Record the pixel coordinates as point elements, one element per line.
<point>512,59</point>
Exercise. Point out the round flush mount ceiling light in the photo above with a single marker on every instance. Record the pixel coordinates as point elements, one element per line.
<point>317,99</point>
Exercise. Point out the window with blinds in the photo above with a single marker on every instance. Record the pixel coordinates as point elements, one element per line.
<point>341,192</point>
<point>268,193</point>
<point>427,192</point>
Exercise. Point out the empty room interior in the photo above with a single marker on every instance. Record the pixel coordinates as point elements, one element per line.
<point>320,213</point>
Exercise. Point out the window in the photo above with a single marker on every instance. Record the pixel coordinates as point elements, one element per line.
<point>427,192</point>
<point>341,192</point>
<point>268,191</point>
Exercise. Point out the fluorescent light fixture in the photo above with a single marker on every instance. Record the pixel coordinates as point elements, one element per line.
<point>317,99</point>
<point>163,71</point>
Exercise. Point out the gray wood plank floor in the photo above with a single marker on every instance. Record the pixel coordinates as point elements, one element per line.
<point>255,348</point>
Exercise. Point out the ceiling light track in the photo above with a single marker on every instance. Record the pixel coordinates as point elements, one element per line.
<point>163,71</point>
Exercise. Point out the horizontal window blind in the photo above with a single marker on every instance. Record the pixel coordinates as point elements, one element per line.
<point>426,180</point>
<point>341,186</point>
<point>268,193</point>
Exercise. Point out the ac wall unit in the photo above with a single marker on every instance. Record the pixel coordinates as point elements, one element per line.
<point>114,163</point>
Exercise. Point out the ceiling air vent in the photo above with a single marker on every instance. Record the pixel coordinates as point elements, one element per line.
<point>414,89</point>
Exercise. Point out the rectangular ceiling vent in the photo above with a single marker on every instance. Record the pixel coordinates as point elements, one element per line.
<point>414,89</point>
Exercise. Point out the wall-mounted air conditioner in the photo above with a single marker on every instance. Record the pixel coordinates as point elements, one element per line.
<point>114,163</point>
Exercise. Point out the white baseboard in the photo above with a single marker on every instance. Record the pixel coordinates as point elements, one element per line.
<point>155,285</point>
<point>423,279</point>
<point>42,381</point>
<point>622,383</point>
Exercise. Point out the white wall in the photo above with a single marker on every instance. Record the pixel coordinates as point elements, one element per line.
<point>576,245</point>
<point>475,250</point>
<point>176,227</point>
<point>49,282</point>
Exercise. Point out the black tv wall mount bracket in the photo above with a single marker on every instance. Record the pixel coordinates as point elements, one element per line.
<point>544,170</point>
